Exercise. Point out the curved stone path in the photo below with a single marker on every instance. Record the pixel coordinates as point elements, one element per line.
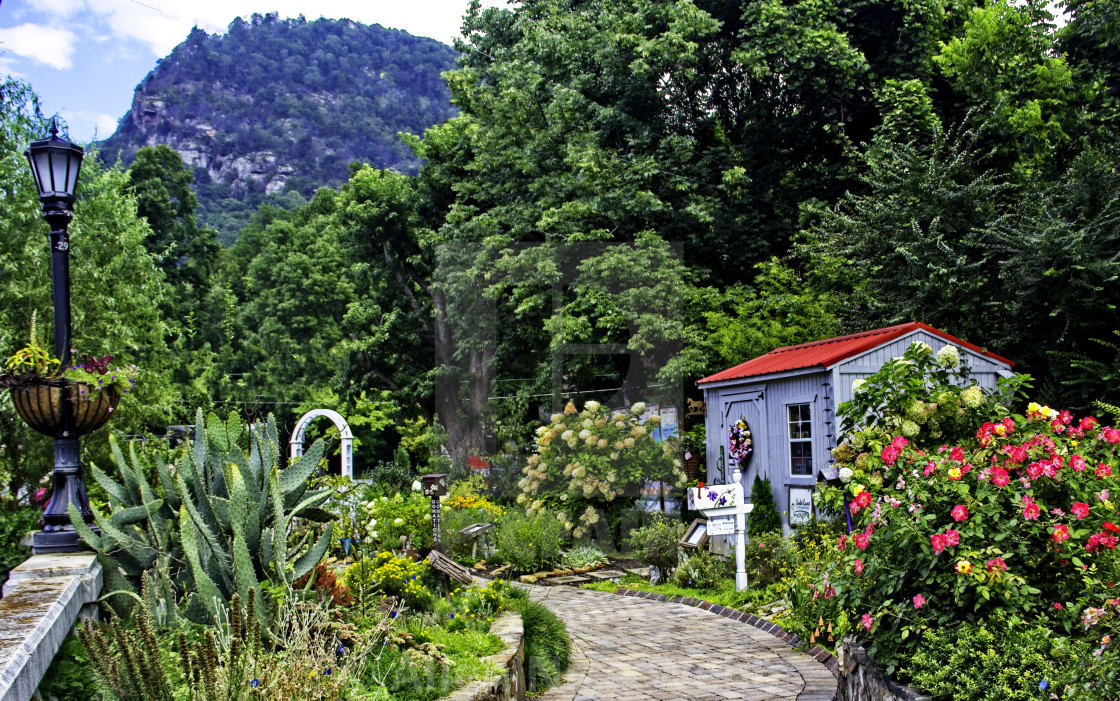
<point>631,649</point>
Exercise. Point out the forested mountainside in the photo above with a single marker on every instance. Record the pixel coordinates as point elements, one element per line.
<point>277,107</point>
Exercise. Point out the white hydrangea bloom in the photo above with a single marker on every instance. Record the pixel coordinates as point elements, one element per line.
<point>857,386</point>
<point>846,474</point>
<point>948,357</point>
<point>638,409</point>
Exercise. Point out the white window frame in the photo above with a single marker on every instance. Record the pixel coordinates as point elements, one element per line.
<point>790,440</point>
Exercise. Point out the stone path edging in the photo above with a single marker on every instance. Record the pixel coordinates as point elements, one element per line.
<point>816,652</point>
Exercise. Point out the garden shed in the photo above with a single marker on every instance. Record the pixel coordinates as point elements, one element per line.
<point>788,399</point>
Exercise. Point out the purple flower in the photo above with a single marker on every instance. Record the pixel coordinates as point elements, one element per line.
<point>255,683</point>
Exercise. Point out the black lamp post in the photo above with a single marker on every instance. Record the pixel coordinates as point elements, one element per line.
<point>55,163</point>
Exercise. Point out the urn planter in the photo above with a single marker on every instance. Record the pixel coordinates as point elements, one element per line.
<point>44,406</point>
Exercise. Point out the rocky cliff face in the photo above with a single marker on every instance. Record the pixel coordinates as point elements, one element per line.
<point>275,107</point>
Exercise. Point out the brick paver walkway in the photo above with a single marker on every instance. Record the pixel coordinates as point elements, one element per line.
<point>627,649</point>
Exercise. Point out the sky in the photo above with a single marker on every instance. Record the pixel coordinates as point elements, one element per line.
<point>85,57</point>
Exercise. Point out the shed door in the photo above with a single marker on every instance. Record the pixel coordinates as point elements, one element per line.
<point>749,406</point>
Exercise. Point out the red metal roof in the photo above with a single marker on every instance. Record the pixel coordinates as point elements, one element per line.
<point>830,351</point>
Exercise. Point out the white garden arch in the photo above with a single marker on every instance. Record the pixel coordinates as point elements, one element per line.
<point>296,444</point>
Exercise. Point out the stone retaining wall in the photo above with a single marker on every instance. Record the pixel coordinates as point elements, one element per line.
<point>862,681</point>
<point>43,597</point>
<point>510,684</point>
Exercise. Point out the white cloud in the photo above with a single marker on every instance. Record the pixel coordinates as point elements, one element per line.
<point>162,24</point>
<point>47,45</point>
<point>97,124</point>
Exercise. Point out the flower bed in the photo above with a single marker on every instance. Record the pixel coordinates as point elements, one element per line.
<point>1014,518</point>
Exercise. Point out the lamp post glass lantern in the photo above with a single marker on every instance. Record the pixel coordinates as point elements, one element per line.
<point>55,164</point>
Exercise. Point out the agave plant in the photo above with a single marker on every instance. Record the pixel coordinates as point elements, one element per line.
<point>218,522</point>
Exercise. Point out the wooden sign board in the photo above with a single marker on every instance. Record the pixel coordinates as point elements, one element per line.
<point>696,536</point>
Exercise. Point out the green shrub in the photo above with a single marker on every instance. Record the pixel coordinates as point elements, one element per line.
<point>768,558</point>
<point>390,575</point>
<point>531,542</point>
<point>657,544</point>
<point>702,570</point>
<point>999,659</point>
<point>764,518</point>
<point>582,556</point>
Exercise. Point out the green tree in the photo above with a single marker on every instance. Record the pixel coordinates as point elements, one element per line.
<point>187,254</point>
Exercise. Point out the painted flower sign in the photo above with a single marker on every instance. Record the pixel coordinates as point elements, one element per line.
<point>739,445</point>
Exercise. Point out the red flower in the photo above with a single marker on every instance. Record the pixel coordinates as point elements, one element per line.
<point>937,540</point>
<point>1101,540</point>
<point>866,621</point>
<point>862,540</point>
<point>1031,511</point>
<point>1017,453</point>
<point>890,454</point>
<point>1058,606</point>
<point>952,537</point>
<point>1110,526</point>
<point>956,453</point>
<point>960,512</point>
<point>842,542</point>
<point>1061,532</point>
<point>1103,471</point>
<point>858,566</point>
<point>996,565</point>
<point>1111,435</point>
<point>1000,477</point>
<point>863,499</point>
<point>1079,509</point>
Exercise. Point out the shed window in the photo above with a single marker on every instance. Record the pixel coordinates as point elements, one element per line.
<point>800,440</point>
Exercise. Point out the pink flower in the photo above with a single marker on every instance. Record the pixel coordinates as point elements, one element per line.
<point>960,512</point>
<point>996,565</point>
<point>919,601</point>
<point>1111,435</point>
<point>930,467</point>
<point>1061,532</point>
<point>952,537</point>
<point>1079,509</point>
<point>956,453</point>
<point>890,454</point>
<point>937,540</point>
<point>1065,416</point>
<point>842,542</point>
<point>1017,453</point>
<point>866,621</point>
<point>1031,511</point>
<point>1077,463</point>
<point>862,540</point>
<point>858,566</point>
<point>1102,495</point>
<point>1103,471</point>
<point>1000,477</point>
<point>1058,606</point>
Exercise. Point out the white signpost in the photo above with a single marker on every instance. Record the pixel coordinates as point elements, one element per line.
<point>722,500</point>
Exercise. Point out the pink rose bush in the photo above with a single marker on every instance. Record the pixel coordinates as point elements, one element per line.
<point>1011,515</point>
